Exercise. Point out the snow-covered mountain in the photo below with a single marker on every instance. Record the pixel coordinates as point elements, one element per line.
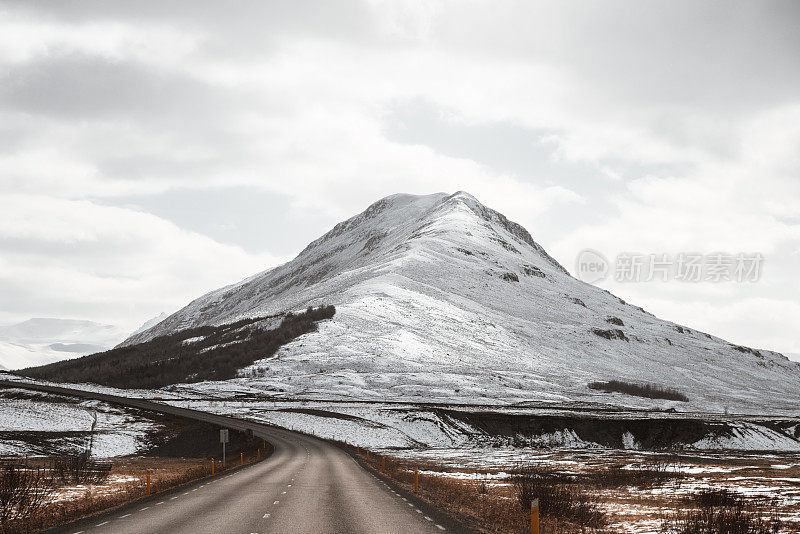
<point>44,340</point>
<point>440,298</point>
<point>150,323</point>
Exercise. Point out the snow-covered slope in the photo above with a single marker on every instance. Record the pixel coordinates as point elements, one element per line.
<point>150,323</point>
<point>45,340</point>
<point>439,297</point>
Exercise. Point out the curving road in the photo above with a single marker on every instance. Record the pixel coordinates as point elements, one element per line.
<point>306,486</point>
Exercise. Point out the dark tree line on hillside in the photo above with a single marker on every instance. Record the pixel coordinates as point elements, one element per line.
<point>650,391</point>
<point>218,355</point>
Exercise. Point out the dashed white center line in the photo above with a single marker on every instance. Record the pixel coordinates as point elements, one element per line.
<point>428,518</point>
<point>145,508</point>
<point>194,489</point>
<point>173,498</point>
<point>79,532</point>
<point>411,505</point>
<point>418,511</point>
<point>162,502</point>
<point>124,516</point>
<point>266,516</point>
<point>288,485</point>
<point>101,524</point>
<point>276,502</point>
<point>187,493</point>
<point>440,527</point>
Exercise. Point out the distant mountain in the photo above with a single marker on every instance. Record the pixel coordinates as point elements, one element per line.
<point>439,297</point>
<point>150,323</point>
<point>45,340</point>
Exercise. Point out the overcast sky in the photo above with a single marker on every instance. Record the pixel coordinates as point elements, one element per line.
<point>152,151</point>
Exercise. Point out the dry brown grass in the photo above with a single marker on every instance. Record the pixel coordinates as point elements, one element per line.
<point>647,491</point>
<point>126,483</point>
<point>481,507</point>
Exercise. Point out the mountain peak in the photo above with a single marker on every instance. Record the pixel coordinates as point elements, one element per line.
<point>401,234</point>
<point>441,297</point>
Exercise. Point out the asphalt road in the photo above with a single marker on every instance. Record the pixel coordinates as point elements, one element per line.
<point>306,486</point>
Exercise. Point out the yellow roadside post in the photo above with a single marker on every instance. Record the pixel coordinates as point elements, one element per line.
<point>535,516</point>
<point>148,482</point>
<point>259,454</point>
<point>358,450</point>
<point>241,458</point>
<point>212,467</point>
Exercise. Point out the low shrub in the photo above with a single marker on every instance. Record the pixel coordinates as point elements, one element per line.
<point>23,491</point>
<point>640,477</point>
<point>650,391</point>
<point>715,511</point>
<point>559,497</point>
<point>79,469</point>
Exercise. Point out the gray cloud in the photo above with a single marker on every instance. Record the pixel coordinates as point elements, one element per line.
<point>76,86</point>
<point>249,217</point>
<point>151,138</point>
<point>729,55</point>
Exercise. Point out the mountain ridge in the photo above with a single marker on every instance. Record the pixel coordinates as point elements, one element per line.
<point>440,296</point>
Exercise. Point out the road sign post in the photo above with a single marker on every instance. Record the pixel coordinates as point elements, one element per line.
<point>535,516</point>
<point>223,438</point>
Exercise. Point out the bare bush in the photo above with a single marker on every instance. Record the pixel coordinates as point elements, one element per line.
<point>80,469</point>
<point>644,476</point>
<point>715,511</point>
<point>23,491</point>
<point>559,497</point>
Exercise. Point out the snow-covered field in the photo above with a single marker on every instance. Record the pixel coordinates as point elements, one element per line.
<point>631,510</point>
<point>416,425</point>
<point>33,423</point>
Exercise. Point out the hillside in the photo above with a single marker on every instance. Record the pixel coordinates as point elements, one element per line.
<point>191,355</point>
<point>440,298</point>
